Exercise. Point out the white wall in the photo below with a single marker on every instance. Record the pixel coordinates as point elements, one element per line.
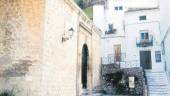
<point>127,37</point>
<point>115,17</point>
<point>133,17</point>
<point>108,45</point>
<point>165,24</point>
<point>104,16</point>
<point>141,3</point>
<point>133,28</point>
<point>98,16</point>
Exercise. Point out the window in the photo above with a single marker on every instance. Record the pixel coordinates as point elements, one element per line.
<point>158,56</point>
<point>116,8</point>
<point>120,8</point>
<point>144,35</point>
<point>110,28</point>
<point>142,17</point>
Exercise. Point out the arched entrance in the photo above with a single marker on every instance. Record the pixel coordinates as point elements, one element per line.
<point>84,69</point>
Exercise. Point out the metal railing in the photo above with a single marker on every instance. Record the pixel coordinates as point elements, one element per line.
<point>144,42</point>
<point>112,58</point>
<point>145,83</point>
<point>130,64</point>
<point>120,60</point>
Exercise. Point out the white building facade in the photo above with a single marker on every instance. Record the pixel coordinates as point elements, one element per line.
<point>131,34</point>
<point>113,30</point>
<point>165,30</point>
<point>142,36</point>
<point>132,37</point>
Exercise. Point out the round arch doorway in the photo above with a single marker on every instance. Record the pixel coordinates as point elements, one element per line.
<point>84,69</point>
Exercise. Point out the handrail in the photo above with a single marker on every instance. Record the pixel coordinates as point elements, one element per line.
<point>146,83</point>
<point>166,34</point>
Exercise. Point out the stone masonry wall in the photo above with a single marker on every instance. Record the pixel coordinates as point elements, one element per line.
<point>59,58</point>
<point>20,46</point>
<point>34,61</point>
<point>65,57</point>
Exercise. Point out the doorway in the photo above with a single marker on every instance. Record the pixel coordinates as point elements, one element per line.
<point>145,59</point>
<point>84,69</point>
<point>117,53</point>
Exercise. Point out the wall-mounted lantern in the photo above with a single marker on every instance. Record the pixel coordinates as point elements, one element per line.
<point>68,35</point>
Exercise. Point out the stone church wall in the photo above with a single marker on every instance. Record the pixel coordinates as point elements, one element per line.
<point>35,60</point>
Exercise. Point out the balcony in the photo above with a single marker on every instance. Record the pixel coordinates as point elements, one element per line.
<point>112,59</point>
<point>119,61</point>
<point>144,42</point>
<point>110,29</point>
<point>113,31</point>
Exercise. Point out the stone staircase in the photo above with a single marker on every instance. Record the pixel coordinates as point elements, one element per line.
<point>158,84</point>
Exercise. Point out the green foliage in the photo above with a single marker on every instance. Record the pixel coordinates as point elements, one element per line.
<point>114,78</point>
<point>121,88</point>
<point>119,82</point>
<point>89,12</point>
<point>7,93</point>
<point>81,3</point>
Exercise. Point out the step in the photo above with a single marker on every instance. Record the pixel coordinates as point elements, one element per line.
<point>159,88</point>
<point>157,83</point>
<point>155,75</point>
<point>157,79</point>
<point>159,95</point>
<point>158,92</point>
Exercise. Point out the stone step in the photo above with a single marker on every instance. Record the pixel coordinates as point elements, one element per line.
<point>162,74</point>
<point>157,79</point>
<point>158,92</point>
<point>159,95</point>
<point>159,89</point>
<point>153,78</point>
<point>155,75</point>
<point>157,84</point>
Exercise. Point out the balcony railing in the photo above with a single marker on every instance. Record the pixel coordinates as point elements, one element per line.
<point>120,60</point>
<point>144,42</point>
<point>111,58</point>
<point>112,31</point>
